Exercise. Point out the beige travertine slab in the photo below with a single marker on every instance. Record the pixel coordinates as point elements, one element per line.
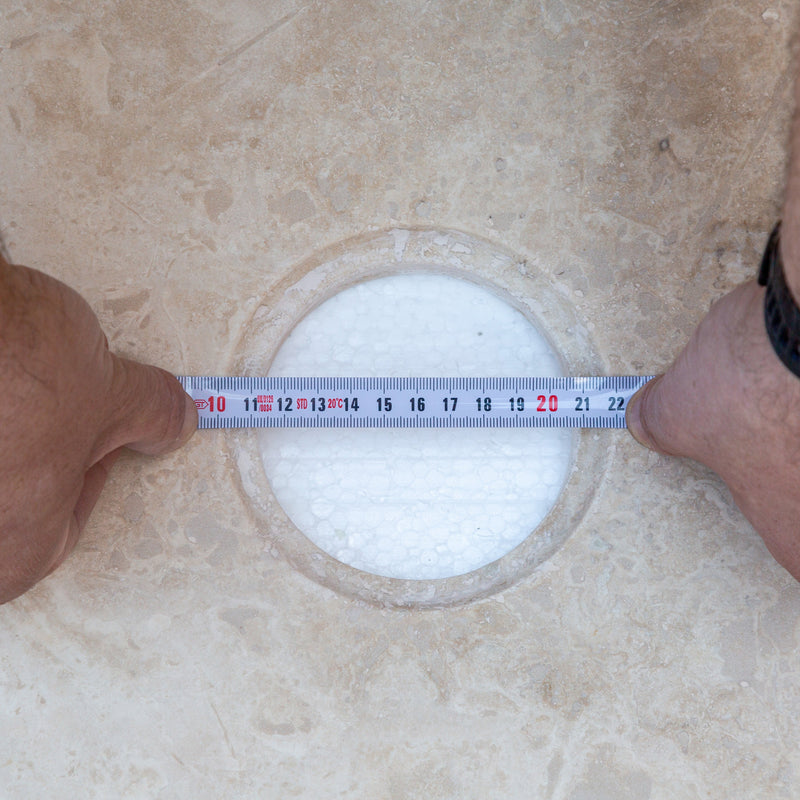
<point>177,162</point>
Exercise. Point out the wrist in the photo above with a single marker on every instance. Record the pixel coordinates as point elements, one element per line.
<point>790,260</point>
<point>781,310</point>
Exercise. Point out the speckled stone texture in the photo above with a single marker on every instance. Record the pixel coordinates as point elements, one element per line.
<point>176,162</point>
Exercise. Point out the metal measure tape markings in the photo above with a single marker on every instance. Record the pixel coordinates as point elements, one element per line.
<point>524,402</point>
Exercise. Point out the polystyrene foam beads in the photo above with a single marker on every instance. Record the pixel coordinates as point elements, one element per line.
<point>424,503</point>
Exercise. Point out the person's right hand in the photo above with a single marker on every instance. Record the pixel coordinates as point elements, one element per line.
<point>729,403</point>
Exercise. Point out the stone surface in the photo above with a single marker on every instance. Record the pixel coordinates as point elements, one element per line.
<point>176,163</point>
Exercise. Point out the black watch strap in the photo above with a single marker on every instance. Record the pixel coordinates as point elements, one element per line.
<point>781,314</point>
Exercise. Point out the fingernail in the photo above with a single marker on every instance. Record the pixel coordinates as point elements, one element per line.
<point>189,421</point>
<point>633,417</point>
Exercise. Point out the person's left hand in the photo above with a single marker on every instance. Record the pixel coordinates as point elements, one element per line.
<point>67,407</point>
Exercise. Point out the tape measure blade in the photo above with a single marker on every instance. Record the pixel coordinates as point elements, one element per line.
<point>390,402</point>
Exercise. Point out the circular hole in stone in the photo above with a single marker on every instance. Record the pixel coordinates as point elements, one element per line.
<point>527,282</point>
<point>416,504</point>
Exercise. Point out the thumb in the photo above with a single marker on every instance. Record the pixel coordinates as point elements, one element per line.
<point>644,416</point>
<point>148,410</point>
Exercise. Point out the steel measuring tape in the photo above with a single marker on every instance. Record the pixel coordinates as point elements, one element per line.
<point>242,402</point>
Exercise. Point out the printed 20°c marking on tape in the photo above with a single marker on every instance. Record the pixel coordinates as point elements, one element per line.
<point>242,402</point>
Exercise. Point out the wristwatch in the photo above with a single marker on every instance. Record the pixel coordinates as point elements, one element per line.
<point>781,314</point>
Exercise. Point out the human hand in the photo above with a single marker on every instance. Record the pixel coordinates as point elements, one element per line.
<point>67,407</point>
<point>729,403</point>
